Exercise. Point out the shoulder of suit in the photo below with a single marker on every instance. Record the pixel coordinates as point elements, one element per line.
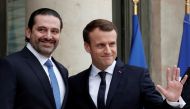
<point>132,68</point>
<point>58,63</point>
<point>80,76</point>
<point>13,56</point>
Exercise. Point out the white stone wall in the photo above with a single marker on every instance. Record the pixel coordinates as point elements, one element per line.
<point>167,25</point>
<point>172,14</point>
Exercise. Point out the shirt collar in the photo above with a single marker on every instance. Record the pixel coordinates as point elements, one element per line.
<point>42,59</point>
<point>109,69</point>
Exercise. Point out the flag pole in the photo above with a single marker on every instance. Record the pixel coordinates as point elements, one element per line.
<point>187,6</point>
<point>135,6</point>
<point>137,56</point>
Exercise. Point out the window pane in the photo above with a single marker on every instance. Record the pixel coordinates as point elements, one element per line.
<point>15,25</point>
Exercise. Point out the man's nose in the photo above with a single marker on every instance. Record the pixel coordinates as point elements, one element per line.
<point>107,49</point>
<point>49,35</point>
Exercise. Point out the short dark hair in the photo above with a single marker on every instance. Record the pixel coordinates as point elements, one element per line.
<point>102,24</point>
<point>43,11</point>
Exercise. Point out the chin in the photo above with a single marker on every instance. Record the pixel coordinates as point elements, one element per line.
<point>46,53</point>
<point>109,62</point>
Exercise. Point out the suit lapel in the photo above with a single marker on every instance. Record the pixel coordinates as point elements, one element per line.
<point>86,89</point>
<point>116,77</point>
<point>35,65</point>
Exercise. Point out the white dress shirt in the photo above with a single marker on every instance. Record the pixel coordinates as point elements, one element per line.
<point>42,59</point>
<point>94,81</point>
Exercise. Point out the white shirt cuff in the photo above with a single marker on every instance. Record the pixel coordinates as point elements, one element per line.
<point>181,103</point>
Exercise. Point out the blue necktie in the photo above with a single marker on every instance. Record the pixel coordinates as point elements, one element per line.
<point>101,92</point>
<point>54,84</point>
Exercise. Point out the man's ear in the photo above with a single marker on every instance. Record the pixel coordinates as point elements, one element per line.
<point>87,47</point>
<point>27,33</point>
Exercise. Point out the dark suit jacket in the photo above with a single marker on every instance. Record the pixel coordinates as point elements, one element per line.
<point>24,83</point>
<point>130,88</point>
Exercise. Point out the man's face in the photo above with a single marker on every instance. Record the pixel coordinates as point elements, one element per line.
<point>102,47</point>
<point>45,33</point>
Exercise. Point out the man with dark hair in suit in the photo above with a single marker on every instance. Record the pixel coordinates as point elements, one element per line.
<point>32,78</point>
<point>110,84</point>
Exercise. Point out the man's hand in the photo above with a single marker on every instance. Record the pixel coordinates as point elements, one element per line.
<point>174,87</point>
